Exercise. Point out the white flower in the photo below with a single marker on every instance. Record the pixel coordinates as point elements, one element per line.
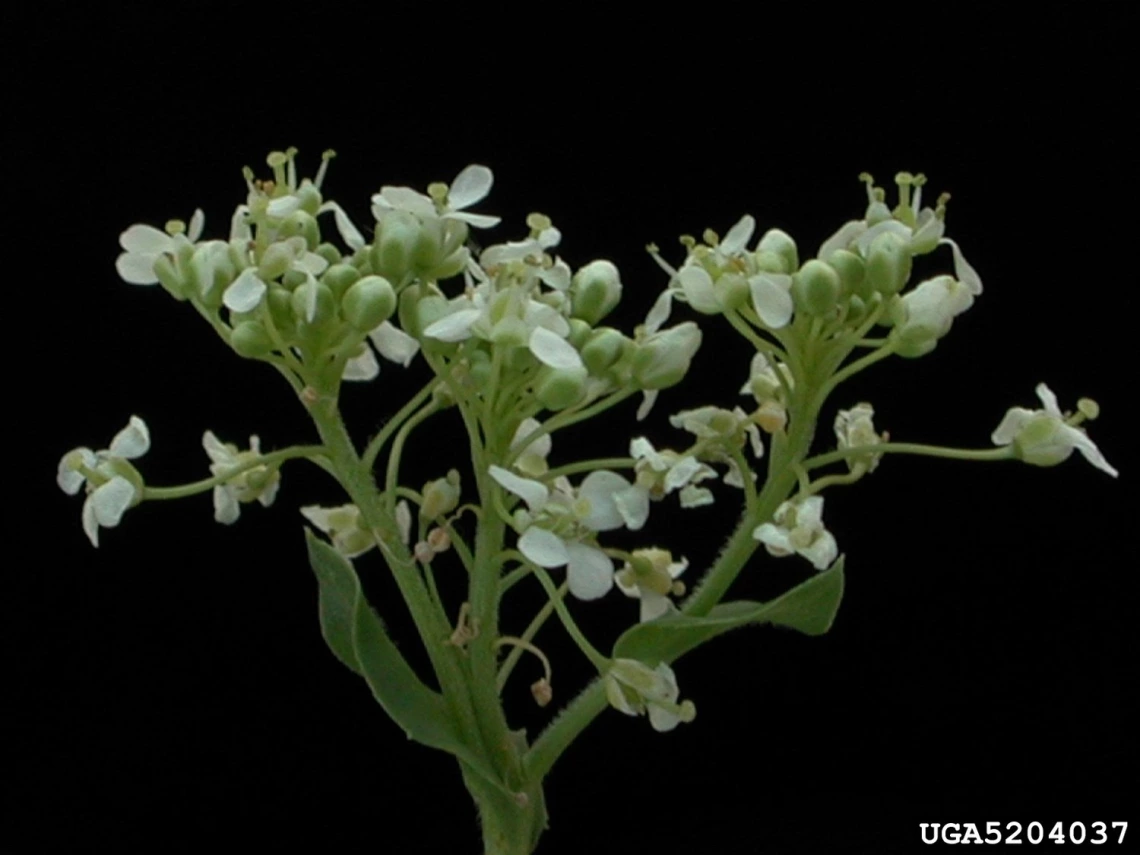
<point>560,524</point>
<point>113,485</point>
<point>144,244</point>
<point>662,472</point>
<point>470,186</point>
<point>651,576</point>
<point>925,313</point>
<point>856,427</point>
<point>634,689</point>
<point>798,527</point>
<point>1044,438</point>
<point>245,293</point>
<point>343,526</point>
<point>258,483</point>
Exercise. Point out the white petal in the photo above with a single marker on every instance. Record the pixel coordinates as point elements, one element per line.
<point>90,524</point>
<point>362,367</point>
<point>216,450</point>
<point>697,286</point>
<point>197,223</point>
<point>822,551</point>
<point>773,537</point>
<point>809,512</point>
<point>842,238</point>
<point>132,441</point>
<point>540,447</point>
<point>599,490</point>
<point>863,242</point>
<point>479,221</point>
<point>649,398</point>
<point>681,472</point>
<point>239,224</point>
<point>348,232</point>
<point>69,479</point>
<point>534,493</point>
<point>633,505</point>
<point>1011,424</point>
<point>653,605</point>
<point>318,516</point>
<point>553,350</point>
<point>469,186</point>
<point>245,294</point>
<point>738,236</point>
<point>269,493</point>
<point>1087,447</point>
<point>136,269</point>
<point>590,572</point>
<point>111,500</point>
<point>1045,394</point>
<point>407,199</point>
<point>404,520</point>
<point>660,312</point>
<point>282,206</point>
<point>145,240</point>
<point>227,510</point>
<point>544,548</point>
<point>394,344</point>
<point>502,253</point>
<point>558,276</point>
<point>453,327</point>
<point>963,272</point>
<point>695,497</point>
<point>772,299</point>
<point>663,720</point>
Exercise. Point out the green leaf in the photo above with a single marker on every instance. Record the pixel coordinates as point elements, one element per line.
<point>809,607</point>
<point>356,635</point>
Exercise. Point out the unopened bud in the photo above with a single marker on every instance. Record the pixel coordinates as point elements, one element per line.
<point>815,288</point>
<point>542,692</point>
<point>559,388</point>
<point>596,290</point>
<point>368,303</point>
<point>250,340</point>
<point>780,244</point>
<point>602,349</point>
<point>339,278</point>
<point>888,264</point>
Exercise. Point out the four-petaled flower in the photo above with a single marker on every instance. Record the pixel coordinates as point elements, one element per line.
<point>797,526</point>
<point>559,525</point>
<point>1044,437</point>
<point>636,689</point>
<point>258,483</point>
<point>113,484</point>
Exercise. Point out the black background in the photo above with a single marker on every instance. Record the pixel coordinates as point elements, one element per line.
<point>172,691</point>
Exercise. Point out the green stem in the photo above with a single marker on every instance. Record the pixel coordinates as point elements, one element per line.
<point>597,659</point>
<point>855,367</point>
<point>528,634</point>
<point>272,459</point>
<point>377,443</point>
<point>1000,453</point>
<point>565,419</point>
<point>393,474</point>
<point>591,465</point>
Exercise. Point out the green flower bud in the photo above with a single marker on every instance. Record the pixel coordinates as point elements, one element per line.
<point>213,272</point>
<point>275,261</point>
<point>557,389</point>
<point>301,223</point>
<point>294,279</point>
<point>815,288</point>
<point>329,253</point>
<point>479,371</point>
<point>602,349</point>
<point>396,237</point>
<point>851,270</point>
<point>428,245</point>
<point>664,358</point>
<point>770,262</point>
<point>313,303</point>
<point>169,277</point>
<point>856,308</point>
<point>888,264</point>
<point>368,303</point>
<point>579,332</point>
<point>280,302</point>
<point>781,244</point>
<point>339,278</point>
<point>596,290</point>
<point>310,197</point>
<point>250,340</point>
<point>510,331</point>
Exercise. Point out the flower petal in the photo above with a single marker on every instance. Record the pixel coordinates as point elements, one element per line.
<point>1080,441</point>
<point>1045,394</point>
<point>141,239</point>
<point>534,493</point>
<point>963,272</point>
<point>598,490</point>
<point>245,293</point>
<point>590,572</point>
<point>197,223</point>
<point>544,548</point>
<point>1011,424</point>
<point>111,500</point>
<point>348,232</point>
<point>553,350</point>
<point>469,186</point>
<point>394,344</point>
<point>479,221</point>
<point>67,476</point>
<point>136,269</point>
<point>361,367</point>
<point>738,236</point>
<point>90,524</point>
<point>453,327</point>
<point>772,298</point>
<point>227,509</point>
<point>633,505</point>
<point>132,441</point>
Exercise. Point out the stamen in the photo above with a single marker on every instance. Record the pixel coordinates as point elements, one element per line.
<point>327,155</point>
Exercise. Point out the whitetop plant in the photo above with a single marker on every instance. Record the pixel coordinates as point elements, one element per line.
<point>513,339</point>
